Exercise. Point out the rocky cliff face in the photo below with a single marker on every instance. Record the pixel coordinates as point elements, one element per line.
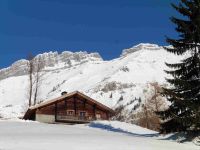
<point>50,59</point>
<point>141,46</point>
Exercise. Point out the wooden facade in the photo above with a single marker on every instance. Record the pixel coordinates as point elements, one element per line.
<point>74,107</point>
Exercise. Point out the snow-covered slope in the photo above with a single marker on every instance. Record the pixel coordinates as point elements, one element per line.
<point>15,135</point>
<point>106,81</point>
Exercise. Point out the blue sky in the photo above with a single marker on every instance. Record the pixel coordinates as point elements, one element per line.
<point>105,26</point>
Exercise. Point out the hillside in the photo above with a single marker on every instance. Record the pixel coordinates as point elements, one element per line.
<point>128,76</point>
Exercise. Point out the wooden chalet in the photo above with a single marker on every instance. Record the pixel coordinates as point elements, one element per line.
<point>72,107</point>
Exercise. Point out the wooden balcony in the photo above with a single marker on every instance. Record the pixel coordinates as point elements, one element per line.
<point>73,119</point>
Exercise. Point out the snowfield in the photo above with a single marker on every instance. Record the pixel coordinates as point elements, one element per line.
<point>100,135</point>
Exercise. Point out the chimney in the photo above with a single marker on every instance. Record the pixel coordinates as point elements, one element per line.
<point>63,93</point>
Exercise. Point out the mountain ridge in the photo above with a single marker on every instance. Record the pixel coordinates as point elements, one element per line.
<point>49,59</point>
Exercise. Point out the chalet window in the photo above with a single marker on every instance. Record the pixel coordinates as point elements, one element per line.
<point>98,116</point>
<point>70,112</point>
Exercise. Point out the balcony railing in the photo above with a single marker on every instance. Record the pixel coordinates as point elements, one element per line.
<point>73,118</point>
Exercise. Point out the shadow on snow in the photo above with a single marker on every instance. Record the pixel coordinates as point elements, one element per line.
<point>110,128</point>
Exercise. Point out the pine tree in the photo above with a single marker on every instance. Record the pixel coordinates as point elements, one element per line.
<point>184,94</point>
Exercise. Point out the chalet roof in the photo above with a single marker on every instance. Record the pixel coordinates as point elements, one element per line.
<point>62,98</point>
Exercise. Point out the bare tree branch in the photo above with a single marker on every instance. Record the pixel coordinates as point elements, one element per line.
<point>37,77</point>
<point>30,74</point>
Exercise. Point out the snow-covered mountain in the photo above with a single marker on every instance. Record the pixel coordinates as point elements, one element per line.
<point>106,81</point>
<point>51,59</point>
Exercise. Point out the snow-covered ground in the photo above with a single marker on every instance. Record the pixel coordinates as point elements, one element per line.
<point>100,135</point>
